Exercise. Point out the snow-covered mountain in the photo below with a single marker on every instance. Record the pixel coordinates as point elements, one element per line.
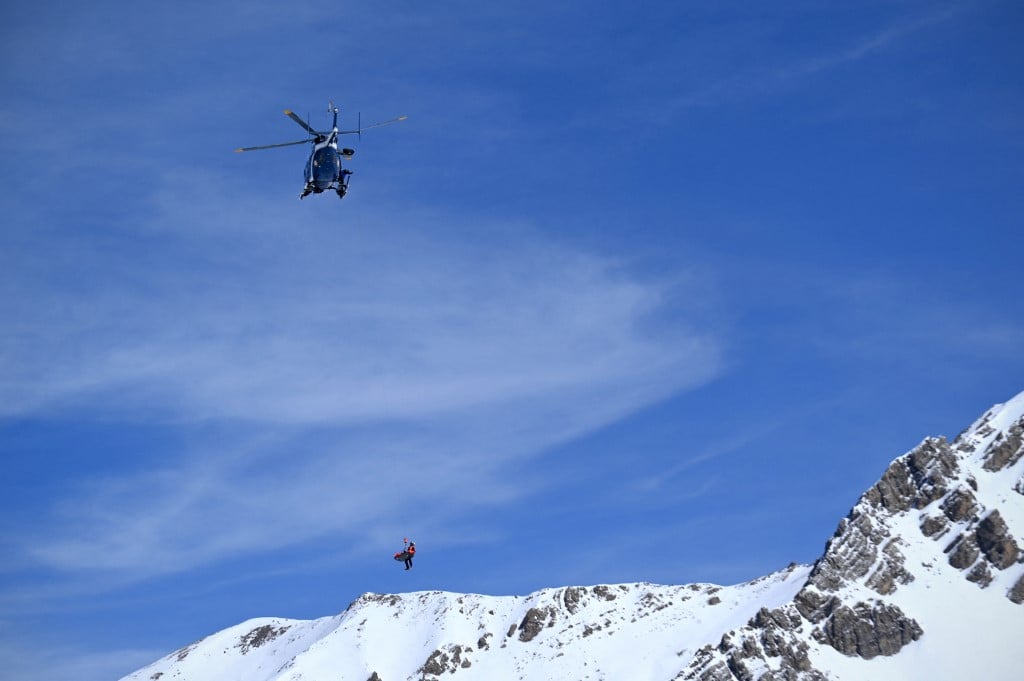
<point>924,579</point>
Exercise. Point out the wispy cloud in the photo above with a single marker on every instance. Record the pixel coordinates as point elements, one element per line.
<point>766,79</point>
<point>866,46</point>
<point>347,329</point>
<point>336,357</point>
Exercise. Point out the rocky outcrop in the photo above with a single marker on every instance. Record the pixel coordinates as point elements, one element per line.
<point>917,479</point>
<point>769,648</point>
<point>864,630</point>
<point>963,552</point>
<point>573,597</point>
<point>995,541</point>
<point>934,527</point>
<point>851,552</point>
<point>1007,449</point>
<point>862,546</point>
<point>259,636</point>
<point>868,630</point>
<point>985,545</point>
<point>960,505</point>
<point>446,660</point>
<point>890,571</point>
<point>980,574</point>
<point>534,622</point>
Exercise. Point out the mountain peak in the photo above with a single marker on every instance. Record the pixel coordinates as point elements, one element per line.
<point>933,519</point>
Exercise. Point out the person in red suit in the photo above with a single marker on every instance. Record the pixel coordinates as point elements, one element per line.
<point>410,551</point>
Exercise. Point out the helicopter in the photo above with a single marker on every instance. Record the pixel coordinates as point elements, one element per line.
<point>323,168</point>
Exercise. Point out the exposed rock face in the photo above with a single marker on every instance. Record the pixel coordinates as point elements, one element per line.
<point>445,660</point>
<point>769,648</point>
<point>1007,450</point>
<point>989,540</point>
<point>571,598</point>
<point>960,505</point>
<point>995,541</point>
<point>963,552</point>
<point>851,552</point>
<point>890,570</point>
<point>869,630</point>
<point>917,479</point>
<point>259,636</point>
<point>534,621</point>
<point>980,574</point>
<point>863,630</point>
<point>934,526</point>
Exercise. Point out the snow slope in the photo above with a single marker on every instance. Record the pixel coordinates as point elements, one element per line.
<point>924,579</point>
<point>602,632</point>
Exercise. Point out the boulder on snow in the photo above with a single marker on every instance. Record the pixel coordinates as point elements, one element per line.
<point>996,542</point>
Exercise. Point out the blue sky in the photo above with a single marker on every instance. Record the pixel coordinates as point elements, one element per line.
<point>637,292</point>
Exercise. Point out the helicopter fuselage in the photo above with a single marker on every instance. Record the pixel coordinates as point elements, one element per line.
<point>323,167</point>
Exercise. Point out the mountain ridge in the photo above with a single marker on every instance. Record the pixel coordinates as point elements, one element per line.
<point>923,579</point>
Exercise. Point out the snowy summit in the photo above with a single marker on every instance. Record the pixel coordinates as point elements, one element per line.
<point>924,579</point>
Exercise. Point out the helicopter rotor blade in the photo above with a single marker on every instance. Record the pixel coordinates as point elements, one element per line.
<point>304,124</point>
<point>373,125</point>
<point>274,146</point>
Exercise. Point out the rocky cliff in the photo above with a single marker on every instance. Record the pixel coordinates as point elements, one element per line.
<point>936,514</point>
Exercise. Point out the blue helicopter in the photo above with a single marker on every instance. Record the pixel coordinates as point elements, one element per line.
<point>323,168</point>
